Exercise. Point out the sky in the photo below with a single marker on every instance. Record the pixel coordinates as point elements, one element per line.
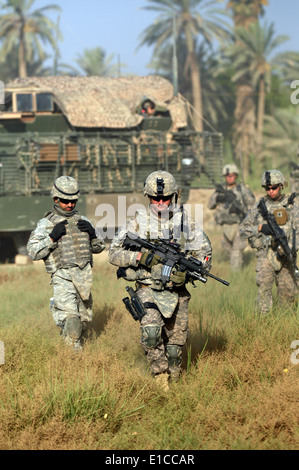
<point>116,25</point>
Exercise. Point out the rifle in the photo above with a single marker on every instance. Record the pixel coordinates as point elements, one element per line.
<point>171,255</point>
<point>278,234</point>
<point>231,201</point>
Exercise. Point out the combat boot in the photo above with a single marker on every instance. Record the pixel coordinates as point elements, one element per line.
<point>162,381</point>
<point>72,331</point>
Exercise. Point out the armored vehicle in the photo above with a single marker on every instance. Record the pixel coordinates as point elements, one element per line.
<point>97,130</point>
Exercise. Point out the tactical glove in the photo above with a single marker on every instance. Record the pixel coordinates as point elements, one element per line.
<point>58,231</point>
<point>178,278</point>
<point>149,259</point>
<point>266,229</point>
<point>86,226</point>
<point>220,198</point>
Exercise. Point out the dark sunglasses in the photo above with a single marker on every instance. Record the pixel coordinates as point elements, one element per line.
<point>161,198</point>
<point>67,201</point>
<point>275,186</point>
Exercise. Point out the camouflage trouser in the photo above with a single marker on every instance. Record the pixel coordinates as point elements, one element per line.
<point>66,301</point>
<point>165,354</point>
<point>284,279</point>
<point>233,245</point>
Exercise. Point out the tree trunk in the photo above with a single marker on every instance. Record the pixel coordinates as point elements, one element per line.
<point>261,111</point>
<point>22,62</point>
<point>22,53</point>
<point>197,98</point>
<point>195,82</point>
<point>244,138</point>
<point>245,131</point>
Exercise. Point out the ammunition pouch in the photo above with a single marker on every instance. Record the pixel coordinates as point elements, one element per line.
<point>222,217</point>
<point>256,242</point>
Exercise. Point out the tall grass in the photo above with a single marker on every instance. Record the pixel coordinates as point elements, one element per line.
<point>238,390</point>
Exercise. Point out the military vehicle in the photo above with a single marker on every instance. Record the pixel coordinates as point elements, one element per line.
<point>95,129</point>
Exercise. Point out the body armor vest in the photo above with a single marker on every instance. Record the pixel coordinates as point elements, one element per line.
<point>73,249</point>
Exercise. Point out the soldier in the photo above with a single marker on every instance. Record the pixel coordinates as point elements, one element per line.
<point>272,263</point>
<point>164,326</point>
<point>148,108</point>
<point>65,240</point>
<point>232,200</point>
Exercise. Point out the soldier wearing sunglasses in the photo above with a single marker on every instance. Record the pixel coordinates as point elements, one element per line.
<point>65,240</point>
<point>272,263</point>
<point>164,323</point>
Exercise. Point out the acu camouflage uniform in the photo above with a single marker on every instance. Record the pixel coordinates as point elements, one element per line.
<point>229,219</point>
<point>68,260</point>
<point>164,327</point>
<point>272,266</point>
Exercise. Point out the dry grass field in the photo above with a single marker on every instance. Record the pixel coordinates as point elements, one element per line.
<point>238,391</point>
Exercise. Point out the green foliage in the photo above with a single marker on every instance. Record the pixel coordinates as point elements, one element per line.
<point>23,29</point>
<point>94,62</point>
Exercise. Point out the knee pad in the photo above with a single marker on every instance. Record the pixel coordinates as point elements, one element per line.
<point>151,335</point>
<point>73,327</point>
<point>174,354</point>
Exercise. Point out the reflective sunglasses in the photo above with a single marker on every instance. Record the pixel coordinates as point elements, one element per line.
<point>161,198</point>
<point>67,201</point>
<point>275,186</point>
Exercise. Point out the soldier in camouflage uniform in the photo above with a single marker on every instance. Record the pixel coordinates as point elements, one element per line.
<point>164,327</point>
<point>272,264</point>
<point>65,240</point>
<point>230,211</point>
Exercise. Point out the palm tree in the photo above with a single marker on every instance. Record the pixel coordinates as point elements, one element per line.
<point>189,25</point>
<point>245,12</point>
<point>94,62</point>
<point>25,29</point>
<point>215,98</point>
<point>288,66</point>
<point>251,55</point>
<point>280,138</point>
<point>10,66</point>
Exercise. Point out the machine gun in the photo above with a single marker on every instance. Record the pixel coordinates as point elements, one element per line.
<point>231,201</point>
<point>278,234</point>
<point>172,256</point>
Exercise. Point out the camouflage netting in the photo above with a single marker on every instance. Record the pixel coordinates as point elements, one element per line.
<point>107,102</point>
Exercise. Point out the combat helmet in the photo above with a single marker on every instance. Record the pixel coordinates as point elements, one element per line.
<point>272,177</point>
<point>160,183</point>
<point>230,168</point>
<point>65,187</point>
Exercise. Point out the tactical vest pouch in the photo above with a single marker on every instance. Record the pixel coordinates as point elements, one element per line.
<point>255,242</point>
<point>281,216</point>
<point>226,218</point>
<point>156,277</point>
